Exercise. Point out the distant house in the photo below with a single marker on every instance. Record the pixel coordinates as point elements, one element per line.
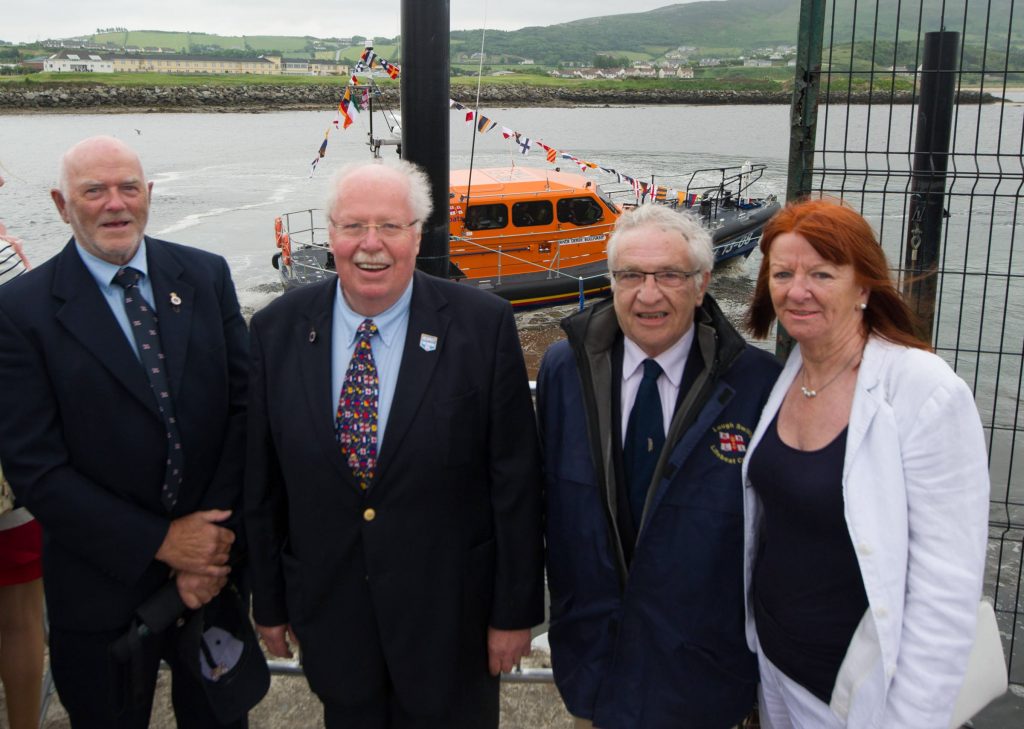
<point>684,72</point>
<point>68,61</point>
<point>757,63</point>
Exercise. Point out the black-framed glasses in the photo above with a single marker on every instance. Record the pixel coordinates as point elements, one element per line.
<point>385,231</point>
<point>663,279</point>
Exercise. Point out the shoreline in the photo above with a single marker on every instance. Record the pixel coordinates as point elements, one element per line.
<point>264,98</point>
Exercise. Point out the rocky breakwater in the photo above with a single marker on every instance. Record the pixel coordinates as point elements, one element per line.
<point>53,97</point>
<point>37,97</point>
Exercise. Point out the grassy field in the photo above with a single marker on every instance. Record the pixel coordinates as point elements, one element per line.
<point>734,79</point>
<point>183,41</point>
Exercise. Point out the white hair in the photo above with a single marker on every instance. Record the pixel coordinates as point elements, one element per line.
<point>420,198</point>
<point>693,234</point>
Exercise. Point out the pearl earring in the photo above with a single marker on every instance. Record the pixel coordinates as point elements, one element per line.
<point>862,306</point>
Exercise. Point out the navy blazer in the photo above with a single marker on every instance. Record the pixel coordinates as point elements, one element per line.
<point>453,541</point>
<point>81,439</point>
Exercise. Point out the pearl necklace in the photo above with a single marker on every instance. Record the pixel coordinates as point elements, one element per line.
<point>810,393</point>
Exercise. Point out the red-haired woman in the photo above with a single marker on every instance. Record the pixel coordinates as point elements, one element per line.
<point>21,587</point>
<point>866,492</point>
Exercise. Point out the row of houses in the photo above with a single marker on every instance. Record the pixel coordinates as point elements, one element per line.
<point>635,71</point>
<point>89,61</point>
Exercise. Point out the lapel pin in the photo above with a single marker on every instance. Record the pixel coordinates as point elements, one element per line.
<point>428,342</point>
<point>312,335</point>
<point>175,299</point>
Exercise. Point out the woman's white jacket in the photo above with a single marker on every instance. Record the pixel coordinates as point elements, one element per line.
<point>915,494</point>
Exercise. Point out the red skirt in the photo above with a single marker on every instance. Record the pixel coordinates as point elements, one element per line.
<point>21,554</point>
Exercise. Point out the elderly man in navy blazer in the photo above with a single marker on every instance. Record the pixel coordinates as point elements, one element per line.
<point>123,362</point>
<point>393,494</point>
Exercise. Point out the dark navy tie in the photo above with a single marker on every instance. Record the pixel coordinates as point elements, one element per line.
<point>356,418</point>
<point>142,320</point>
<point>645,435</point>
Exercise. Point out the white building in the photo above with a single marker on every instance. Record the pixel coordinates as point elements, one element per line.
<point>80,62</point>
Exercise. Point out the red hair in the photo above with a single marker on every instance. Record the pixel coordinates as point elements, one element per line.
<point>841,236</point>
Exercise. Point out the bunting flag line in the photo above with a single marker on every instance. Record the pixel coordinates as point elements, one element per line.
<point>351,104</point>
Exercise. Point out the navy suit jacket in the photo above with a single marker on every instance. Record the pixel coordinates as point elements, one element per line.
<point>81,439</point>
<point>453,542</point>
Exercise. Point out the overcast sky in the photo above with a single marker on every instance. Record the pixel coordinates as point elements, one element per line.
<point>24,21</point>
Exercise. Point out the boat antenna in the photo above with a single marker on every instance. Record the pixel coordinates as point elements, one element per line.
<point>476,110</point>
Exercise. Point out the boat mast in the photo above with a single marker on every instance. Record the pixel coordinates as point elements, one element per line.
<point>424,99</point>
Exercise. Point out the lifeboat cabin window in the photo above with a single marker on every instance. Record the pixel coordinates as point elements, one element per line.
<point>579,211</point>
<point>534,212</point>
<point>487,217</point>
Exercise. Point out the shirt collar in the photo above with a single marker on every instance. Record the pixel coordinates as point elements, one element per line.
<point>385,321</point>
<point>104,271</point>
<point>672,360</point>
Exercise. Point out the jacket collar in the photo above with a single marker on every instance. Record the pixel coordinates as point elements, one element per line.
<point>869,394</point>
<point>85,314</point>
<point>426,316</point>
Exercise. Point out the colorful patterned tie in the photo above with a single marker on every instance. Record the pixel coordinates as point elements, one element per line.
<point>356,419</point>
<point>144,328</point>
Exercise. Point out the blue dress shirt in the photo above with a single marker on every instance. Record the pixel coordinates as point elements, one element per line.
<point>388,346</point>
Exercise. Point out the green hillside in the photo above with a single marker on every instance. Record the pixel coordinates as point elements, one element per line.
<point>877,34</point>
<point>210,43</point>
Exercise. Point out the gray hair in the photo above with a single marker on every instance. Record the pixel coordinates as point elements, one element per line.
<point>672,221</point>
<point>420,198</point>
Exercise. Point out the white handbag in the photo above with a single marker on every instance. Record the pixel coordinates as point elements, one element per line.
<point>986,677</point>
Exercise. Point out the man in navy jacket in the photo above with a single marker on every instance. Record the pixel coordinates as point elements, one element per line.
<point>645,568</point>
<point>85,439</point>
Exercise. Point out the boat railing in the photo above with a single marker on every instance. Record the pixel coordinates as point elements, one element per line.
<point>706,190</point>
<point>302,228</point>
<point>553,269</point>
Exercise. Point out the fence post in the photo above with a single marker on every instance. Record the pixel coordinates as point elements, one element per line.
<point>803,117</point>
<point>928,176</point>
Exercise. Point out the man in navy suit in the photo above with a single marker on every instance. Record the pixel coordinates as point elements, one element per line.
<point>393,501</point>
<point>88,439</point>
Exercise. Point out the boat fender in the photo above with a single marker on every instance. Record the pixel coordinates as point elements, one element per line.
<point>286,249</point>
<point>275,261</point>
<point>278,229</point>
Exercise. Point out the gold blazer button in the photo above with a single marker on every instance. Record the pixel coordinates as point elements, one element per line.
<point>369,515</point>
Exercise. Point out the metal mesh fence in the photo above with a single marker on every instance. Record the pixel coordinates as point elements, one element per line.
<point>869,113</point>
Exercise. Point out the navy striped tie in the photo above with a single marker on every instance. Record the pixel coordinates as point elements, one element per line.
<point>144,328</point>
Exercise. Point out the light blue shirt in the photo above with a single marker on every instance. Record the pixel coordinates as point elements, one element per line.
<point>103,272</point>
<point>388,346</point>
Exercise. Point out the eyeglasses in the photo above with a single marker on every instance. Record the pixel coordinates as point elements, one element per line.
<point>663,279</point>
<point>385,231</point>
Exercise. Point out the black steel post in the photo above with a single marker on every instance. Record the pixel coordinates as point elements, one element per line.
<point>803,117</point>
<point>928,176</point>
<point>425,94</point>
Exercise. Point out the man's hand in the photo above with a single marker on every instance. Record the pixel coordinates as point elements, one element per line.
<point>276,638</point>
<point>197,590</point>
<point>195,543</point>
<point>505,648</point>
